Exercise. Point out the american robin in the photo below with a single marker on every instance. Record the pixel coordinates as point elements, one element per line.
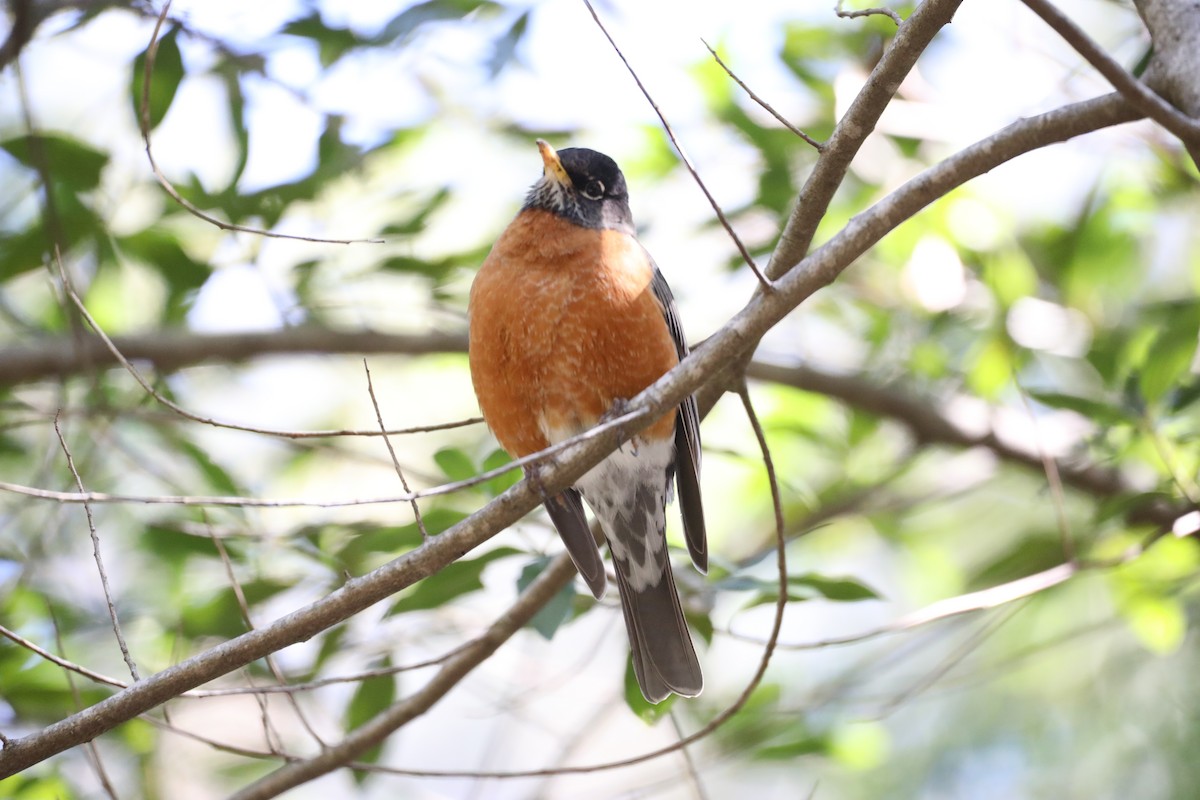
<point>569,318</point>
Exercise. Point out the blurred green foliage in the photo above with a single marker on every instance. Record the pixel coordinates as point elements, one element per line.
<point>1082,691</point>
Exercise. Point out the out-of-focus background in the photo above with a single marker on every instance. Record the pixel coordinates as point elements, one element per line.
<point>1047,309</point>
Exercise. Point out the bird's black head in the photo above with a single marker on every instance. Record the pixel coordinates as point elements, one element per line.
<point>584,187</point>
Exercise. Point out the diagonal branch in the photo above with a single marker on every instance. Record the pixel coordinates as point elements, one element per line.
<point>544,587</point>
<point>929,425</point>
<point>1136,93</point>
<point>912,37</point>
<point>733,340</point>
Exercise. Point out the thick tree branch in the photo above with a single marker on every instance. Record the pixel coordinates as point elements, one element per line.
<point>912,37</point>
<point>929,425</point>
<point>453,670</point>
<point>1174,27</point>
<point>927,422</point>
<point>1135,92</point>
<point>733,340</point>
<point>171,350</point>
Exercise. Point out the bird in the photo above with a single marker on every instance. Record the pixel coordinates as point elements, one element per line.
<point>569,317</point>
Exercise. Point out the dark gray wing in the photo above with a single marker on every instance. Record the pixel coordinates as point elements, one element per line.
<point>687,437</point>
<point>566,512</point>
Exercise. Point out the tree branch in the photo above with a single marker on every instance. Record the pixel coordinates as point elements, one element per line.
<point>734,339</point>
<point>1135,92</point>
<point>544,587</point>
<point>1174,27</point>
<point>929,425</point>
<point>172,350</point>
<point>912,37</point>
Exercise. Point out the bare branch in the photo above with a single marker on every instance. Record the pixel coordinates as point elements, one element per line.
<point>1136,93</point>
<point>687,162</point>
<point>924,418</point>
<point>852,129</point>
<point>70,666</point>
<point>537,594</point>
<point>91,523</point>
<point>765,105</point>
<point>867,12</point>
<point>762,312</point>
<point>392,452</point>
<point>170,350</point>
<point>1175,30</point>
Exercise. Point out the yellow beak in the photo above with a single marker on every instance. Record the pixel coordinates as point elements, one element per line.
<point>554,167</point>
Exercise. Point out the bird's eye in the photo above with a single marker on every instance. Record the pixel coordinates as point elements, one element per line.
<point>594,190</point>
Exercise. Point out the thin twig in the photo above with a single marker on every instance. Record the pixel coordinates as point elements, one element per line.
<point>689,763</point>
<point>392,452</point>
<point>1146,424</point>
<point>357,677</point>
<point>762,279</point>
<point>1050,466</point>
<point>274,740</point>
<point>144,123</point>
<point>76,698</point>
<point>818,146</point>
<point>180,410</point>
<point>867,12</point>
<point>761,313</point>
<point>600,431</point>
<point>108,600</point>
<point>952,660</point>
<point>293,688</point>
<point>945,609</point>
<point>70,666</point>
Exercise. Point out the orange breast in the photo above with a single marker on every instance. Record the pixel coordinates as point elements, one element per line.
<point>562,323</point>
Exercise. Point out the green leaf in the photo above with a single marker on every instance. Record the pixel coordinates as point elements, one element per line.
<point>1159,623</point>
<point>372,696</point>
<point>221,616</point>
<point>505,48</point>
<point>371,546</point>
<point>406,22</point>
<point>646,711</point>
<point>991,367</point>
<point>332,43</point>
<point>164,80</point>
<point>501,483</point>
<point>1170,357</point>
<point>162,252</point>
<point>558,610</point>
<point>1033,553</point>
<point>799,744</point>
<point>417,222</point>
<point>236,103</point>
<point>69,161</point>
<point>454,580</point>
<point>1095,410</point>
<point>845,590</point>
<point>455,464</point>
